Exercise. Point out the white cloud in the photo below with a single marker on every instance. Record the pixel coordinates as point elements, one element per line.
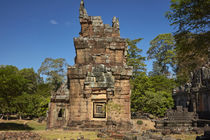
<point>52,21</point>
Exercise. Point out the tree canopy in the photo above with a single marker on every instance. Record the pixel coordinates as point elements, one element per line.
<point>54,70</point>
<point>134,57</point>
<point>152,94</point>
<point>189,15</point>
<point>162,50</point>
<point>22,93</point>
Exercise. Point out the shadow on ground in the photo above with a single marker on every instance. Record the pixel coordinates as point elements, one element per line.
<point>14,126</point>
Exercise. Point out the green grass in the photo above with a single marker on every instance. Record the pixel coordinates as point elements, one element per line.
<point>36,126</point>
<point>13,126</point>
<point>21,125</point>
<point>40,128</point>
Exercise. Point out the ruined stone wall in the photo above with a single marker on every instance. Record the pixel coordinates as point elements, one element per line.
<point>181,97</point>
<point>196,94</point>
<point>59,106</point>
<point>201,91</point>
<point>99,87</point>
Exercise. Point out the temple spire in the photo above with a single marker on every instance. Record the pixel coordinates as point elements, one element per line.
<point>82,10</point>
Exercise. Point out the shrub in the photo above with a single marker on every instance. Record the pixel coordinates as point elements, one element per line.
<point>139,122</point>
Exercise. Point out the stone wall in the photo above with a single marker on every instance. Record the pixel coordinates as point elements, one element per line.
<point>192,102</point>
<point>98,84</point>
<point>200,91</point>
<point>194,98</point>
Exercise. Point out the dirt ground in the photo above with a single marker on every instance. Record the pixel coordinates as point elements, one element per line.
<point>40,128</point>
<point>147,125</point>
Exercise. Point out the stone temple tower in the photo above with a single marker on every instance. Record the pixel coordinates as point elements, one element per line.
<point>98,94</point>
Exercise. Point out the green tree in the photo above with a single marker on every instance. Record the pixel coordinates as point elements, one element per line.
<point>44,93</point>
<point>134,57</point>
<point>162,50</point>
<point>21,103</point>
<point>192,53</point>
<point>32,79</point>
<point>156,103</point>
<point>54,70</point>
<point>138,85</point>
<point>161,83</point>
<point>33,104</point>
<point>22,93</point>
<point>189,15</point>
<point>152,94</point>
<point>12,85</point>
<point>156,69</point>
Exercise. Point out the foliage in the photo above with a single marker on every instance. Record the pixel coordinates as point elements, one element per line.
<point>152,94</point>
<point>54,70</point>
<point>140,83</point>
<point>134,58</point>
<point>189,15</point>
<point>156,103</point>
<point>12,85</point>
<point>156,69</point>
<point>31,105</point>
<point>139,122</point>
<point>192,36</point>
<point>32,79</point>
<point>22,93</point>
<point>161,83</point>
<point>162,50</point>
<point>192,53</point>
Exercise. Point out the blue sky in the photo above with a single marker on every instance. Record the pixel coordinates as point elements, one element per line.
<point>32,30</point>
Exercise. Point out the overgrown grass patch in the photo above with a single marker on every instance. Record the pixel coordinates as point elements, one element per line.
<point>36,126</point>
<point>21,125</point>
<point>14,126</point>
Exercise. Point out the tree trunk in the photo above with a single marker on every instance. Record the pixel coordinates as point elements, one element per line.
<point>7,116</point>
<point>20,117</point>
<point>2,116</point>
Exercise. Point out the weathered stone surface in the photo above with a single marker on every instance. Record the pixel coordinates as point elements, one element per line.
<point>98,84</point>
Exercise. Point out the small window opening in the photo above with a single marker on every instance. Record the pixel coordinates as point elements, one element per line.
<point>61,113</point>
